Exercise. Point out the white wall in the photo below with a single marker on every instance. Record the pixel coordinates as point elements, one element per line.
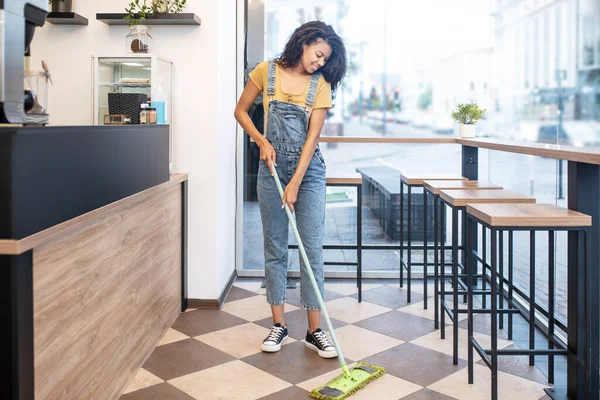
<point>204,95</point>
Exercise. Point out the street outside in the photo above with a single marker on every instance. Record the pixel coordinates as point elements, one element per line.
<point>530,175</point>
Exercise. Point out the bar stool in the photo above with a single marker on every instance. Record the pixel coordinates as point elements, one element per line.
<point>457,201</point>
<point>500,218</point>
<point>433,187</point>
<point>349,180</point>
<point>414,181</point>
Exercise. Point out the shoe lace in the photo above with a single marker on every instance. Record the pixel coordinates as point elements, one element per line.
<point>275,334</point>
<point>322,338</point>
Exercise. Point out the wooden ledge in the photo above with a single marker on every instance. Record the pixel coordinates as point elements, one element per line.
<point>344,179</point>
<point>460,198</point>
<point>559,152</point>
<point>569,153</point>
<point>15,247</point>
<point>418,179</point>
<point>528,215</point>
<point>377,139</point>
<point>435,186</point>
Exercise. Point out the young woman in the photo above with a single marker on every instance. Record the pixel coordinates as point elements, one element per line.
<point>297,92</point>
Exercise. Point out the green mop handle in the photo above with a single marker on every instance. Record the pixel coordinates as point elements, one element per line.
<point>311,276</point>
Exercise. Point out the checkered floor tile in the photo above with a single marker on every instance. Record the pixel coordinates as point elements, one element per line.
<point>216,354</point>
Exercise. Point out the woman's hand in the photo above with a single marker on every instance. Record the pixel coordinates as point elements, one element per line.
<point>267,154</point>
<point>290,195</point>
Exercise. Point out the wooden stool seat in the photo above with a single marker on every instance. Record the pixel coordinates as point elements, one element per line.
<point>344,179</point>
<point>435,186</point>
<point>528,215</point>
<point>460,198</point>
<point>418,179</point>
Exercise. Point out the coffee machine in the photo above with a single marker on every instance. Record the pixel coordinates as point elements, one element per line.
<point>18,21</point>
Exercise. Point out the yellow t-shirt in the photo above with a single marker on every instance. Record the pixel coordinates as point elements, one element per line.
<point>260,76</point>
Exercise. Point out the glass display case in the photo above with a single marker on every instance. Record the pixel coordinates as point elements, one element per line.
<point>133,89</point>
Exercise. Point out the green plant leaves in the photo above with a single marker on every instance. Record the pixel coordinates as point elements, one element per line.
<point>136,13</point>
<point>468,113</point>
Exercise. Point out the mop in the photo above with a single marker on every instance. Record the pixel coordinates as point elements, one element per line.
<point>352,379</point>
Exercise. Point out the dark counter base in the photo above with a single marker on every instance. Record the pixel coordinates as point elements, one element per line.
<point>49,175</point>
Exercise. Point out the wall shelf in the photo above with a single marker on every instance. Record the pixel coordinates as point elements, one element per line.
<point>66,18</point>
<point>154,19</point>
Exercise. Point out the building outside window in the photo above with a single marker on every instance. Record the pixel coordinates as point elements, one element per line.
<point>533,65</point>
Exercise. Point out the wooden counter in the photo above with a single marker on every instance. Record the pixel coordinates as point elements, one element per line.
<point>569,153</point>
<point>583,169</point>
<point>106,286</point>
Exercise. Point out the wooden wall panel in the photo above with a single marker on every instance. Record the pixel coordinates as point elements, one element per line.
<point>104,296</point>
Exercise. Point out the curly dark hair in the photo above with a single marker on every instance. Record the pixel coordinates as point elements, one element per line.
<point>308,33</point>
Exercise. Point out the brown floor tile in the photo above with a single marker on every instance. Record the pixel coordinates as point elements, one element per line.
<point>295,363</point>
<point>157,392</point>
<point>426,394</point>
<point>293,296</point>
<point>416,364</point>
<point>182,358</point>
<point>398,325</point>
<point>298,324</point>
<point>237,293</point>
<point>389,296</point>
<point>519,366</point>
<point>482,324</point>
<point>292,393</point>
<point>199,322</point>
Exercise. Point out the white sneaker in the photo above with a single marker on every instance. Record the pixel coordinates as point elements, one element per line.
<point>318,342</point>
<point>276,337</point>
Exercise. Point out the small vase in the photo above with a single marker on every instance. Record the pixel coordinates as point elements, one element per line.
<point>138,40</point>
<point>467,130</point>
<point>62,5</point>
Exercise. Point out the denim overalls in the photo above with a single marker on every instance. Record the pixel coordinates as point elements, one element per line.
<point>287,129</point>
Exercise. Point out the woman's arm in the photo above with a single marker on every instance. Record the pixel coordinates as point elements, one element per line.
<point>248,96</point>
<point>317,119</point>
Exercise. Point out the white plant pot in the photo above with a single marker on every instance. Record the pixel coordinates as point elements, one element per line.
<point>466,130</point>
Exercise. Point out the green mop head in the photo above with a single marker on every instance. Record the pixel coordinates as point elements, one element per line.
<point>341,387</point>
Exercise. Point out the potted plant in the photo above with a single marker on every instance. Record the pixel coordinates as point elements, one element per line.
<point>136,12</point>
<point>139,40</point>
<point>467,116</point>
<point>61,5</point>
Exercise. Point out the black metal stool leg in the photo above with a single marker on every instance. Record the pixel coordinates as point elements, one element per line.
<point>501,273</point>
<point>510,283</point>
<point>409,246</point>
<point>463,240</point>
<point>484,266</point>
<point>359,241</point>
<point>425,249</point>
<point>455,285</point>
<point>532,295</point>
<point>470,297</point>
<point>494,312</point>
<point>401,233</point>
<point>551,273</point>
<point>443,272</point>
<point>436,299</point>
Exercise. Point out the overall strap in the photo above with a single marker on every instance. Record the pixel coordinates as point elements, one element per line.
<point>312,90</point>
<point>271,79</point>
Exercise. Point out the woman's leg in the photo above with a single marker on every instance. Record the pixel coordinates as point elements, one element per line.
<point>310,218</point>
<point>275,231</point>
<point>314,320</point>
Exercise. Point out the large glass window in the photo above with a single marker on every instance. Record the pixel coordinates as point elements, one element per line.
<point>533,64</point>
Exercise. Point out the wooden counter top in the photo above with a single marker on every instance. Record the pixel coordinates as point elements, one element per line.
<point>15,247</point>
<point>569,153</point>
<point>376,139</point>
